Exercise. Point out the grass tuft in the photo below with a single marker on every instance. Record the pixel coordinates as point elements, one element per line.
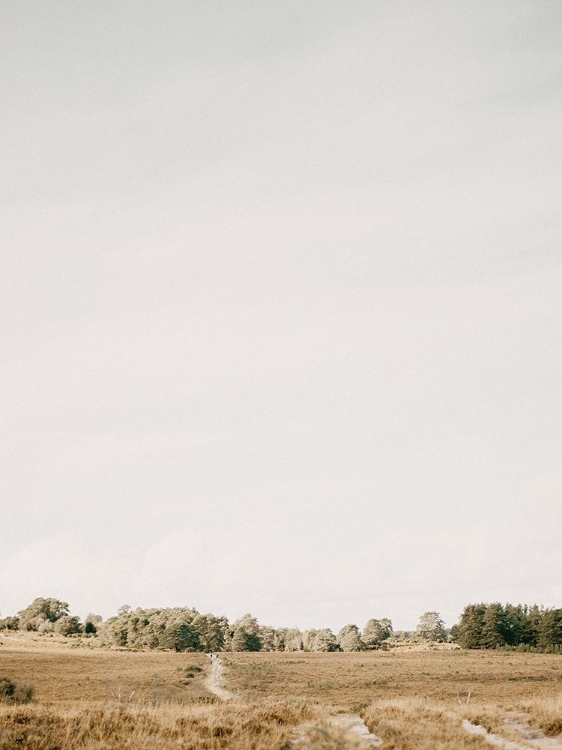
<point>15,691</point>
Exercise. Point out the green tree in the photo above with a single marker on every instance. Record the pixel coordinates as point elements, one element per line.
<point>431,628</point>
<point>68,625</point>
<point>210,630</point>
<point>494,627</point>
<point>10,623</point>
<point>293,640</point>
<point>375,632</point>
<point>92,623</point>
<point>349,639</point>
<point>470,626</point>
<point>246,634</point>
<point>517,627</point>
<point>267,638</point>
<point>324,640</point>
<point>534,616</point>
<point>42,611</point>
<point>550,630</point>
<point>179,637</point>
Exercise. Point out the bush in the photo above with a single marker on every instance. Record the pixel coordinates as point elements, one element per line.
<point>14,691</point>
<point>10,623</point>
<point>67,625</point>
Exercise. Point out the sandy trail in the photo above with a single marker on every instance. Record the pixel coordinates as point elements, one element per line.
<point>357,728</point>
<point>214,682</point>
<point>356,732</point>
<point>531,737</point>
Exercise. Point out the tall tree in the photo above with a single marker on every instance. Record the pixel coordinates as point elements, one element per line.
<point>40,611</point>
<point>494,627</point>
<point>246,635</point>
<point>431,627</point>
<point>470,626</point>
<point>180,637</point>
<point>349,638</point>
<point>324,640</point>
<point>210,631</point>
<point>550,630</point>
<point>375,632</point>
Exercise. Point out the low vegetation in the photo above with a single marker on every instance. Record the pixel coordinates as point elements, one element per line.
<point>114,699</point>
<point>14,691</point>
<point>262,726</point>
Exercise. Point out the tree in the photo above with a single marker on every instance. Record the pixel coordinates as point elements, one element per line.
<point>454,633</point>
<point>267,638</point>
<point>293,640</point>
<point>517,627</point>
<point>324,640</point>
<point>10,623</point>
<point>494,627</point>
<point>550,630</point>
<point>375,632</point>
<point>92,623</point>
<point>42,611</point>
<point>349,638</point>
<point>534,616</point>
<point>68,625</point>
<point>431,627</point>
<point>470,626</point>
<point>246,635</point>
<point>211,632</point>
<point>179,637</point>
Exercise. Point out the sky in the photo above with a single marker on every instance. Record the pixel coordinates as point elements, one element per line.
<point>280,306</point>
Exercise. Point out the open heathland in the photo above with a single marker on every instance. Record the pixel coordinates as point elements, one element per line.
<point>407,699</point>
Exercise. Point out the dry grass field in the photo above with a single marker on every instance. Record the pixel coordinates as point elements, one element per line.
<point>353,679</point>
<point>412,700</point>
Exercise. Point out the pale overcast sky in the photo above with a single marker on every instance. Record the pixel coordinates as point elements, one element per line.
<point>280,306</point>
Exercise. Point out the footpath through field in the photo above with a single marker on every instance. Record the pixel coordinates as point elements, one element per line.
<point>346,724</point>
<point>215,679</point>
<point>531,737</point>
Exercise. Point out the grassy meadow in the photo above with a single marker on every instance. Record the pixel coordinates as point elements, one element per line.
<point>412,700</point>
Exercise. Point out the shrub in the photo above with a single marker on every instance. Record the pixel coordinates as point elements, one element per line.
<point>10,623</point>
<point>14,691</point>
<point>67,625</point>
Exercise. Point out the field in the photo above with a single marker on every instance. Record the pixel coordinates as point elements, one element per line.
<point>412,700</point>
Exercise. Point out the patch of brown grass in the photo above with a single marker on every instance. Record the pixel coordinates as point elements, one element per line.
<point>325,736</point>
<point>405,724</point>
<point>68,676</point>
<point>414,700</point>
<point>266,725</point>
<point>544,713</point>
<point>354,680</point>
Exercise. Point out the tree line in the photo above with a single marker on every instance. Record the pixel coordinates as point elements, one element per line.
<point>526,628</point>
<point>481,626</point>
<point>186,629</point>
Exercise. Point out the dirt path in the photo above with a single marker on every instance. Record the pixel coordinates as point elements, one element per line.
<point>531,737</point>
<point>357,729</point>
<point>215,679</point>
<point>352,725</point>
<point>344,731</point>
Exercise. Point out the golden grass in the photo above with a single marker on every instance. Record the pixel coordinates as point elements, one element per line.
<point>68,676</point>
<point>267,725</point>
<point>412,700</point>
<point>544,713</point>
<point>405,724</point>
<point>352,680</point>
